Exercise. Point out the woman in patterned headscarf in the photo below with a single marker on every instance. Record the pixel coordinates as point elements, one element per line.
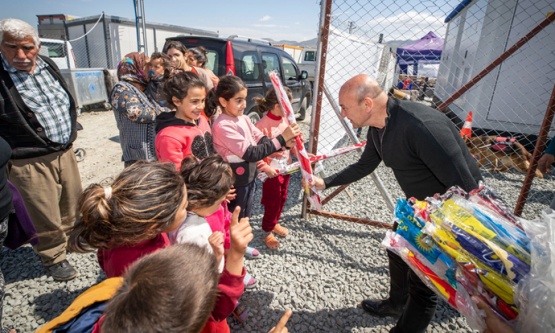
<point>135,112</point>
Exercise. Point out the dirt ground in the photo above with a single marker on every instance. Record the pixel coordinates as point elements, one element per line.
<point>99,138</point>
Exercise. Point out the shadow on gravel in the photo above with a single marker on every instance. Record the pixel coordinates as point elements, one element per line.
<point>50,305</point>
<point>262,318</point>
<point>339,320</point>
<point>21,264</point>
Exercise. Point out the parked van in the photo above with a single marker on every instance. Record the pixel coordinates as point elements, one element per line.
<point>252,60</point>
<point>59,51</point>
<point>307,62</point>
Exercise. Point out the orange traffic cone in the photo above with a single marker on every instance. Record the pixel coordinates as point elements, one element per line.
<point>466,130</point>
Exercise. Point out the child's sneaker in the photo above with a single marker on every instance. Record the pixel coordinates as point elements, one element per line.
<point>249,281</point>
<point>280,231</point>
<point>252,253</point>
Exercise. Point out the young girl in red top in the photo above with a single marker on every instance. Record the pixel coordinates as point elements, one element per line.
<point>130,218</point>
<point>183,132</point>
<point>274,189</point>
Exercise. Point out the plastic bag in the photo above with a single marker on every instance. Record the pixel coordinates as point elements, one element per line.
<point>479,240</point>
<point>536,292</point>
<point>436,277</point>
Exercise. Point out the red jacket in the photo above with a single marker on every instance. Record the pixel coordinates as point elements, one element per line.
<point>177,139</point>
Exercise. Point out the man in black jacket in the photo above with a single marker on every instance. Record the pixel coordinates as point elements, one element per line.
<point>38,120</point>
<point>427,155</point>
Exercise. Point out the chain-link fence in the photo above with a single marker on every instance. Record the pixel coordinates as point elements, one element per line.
<point>427,51</point>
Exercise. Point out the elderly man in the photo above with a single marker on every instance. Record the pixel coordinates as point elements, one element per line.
<point>427,156</point>
<point>38,119</point>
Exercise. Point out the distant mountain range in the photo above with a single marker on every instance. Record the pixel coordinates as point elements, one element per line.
<point>314,42</point>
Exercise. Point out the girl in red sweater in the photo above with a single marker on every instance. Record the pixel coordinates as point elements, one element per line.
<point>130,218</point>
<point>183,132</point>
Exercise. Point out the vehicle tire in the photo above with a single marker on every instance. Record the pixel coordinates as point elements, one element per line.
<point>302,110</point>
<point>253,116</point>
<point>80,154</point>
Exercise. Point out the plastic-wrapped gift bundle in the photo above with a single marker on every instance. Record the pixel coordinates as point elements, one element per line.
<point>464,245</point>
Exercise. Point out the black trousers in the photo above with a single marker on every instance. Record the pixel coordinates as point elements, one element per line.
<point>409,291</point>
<point>244,199</point>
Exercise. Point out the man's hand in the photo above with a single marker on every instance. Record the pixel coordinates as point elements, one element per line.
<point>280,327</point>
<point>317,182</point>
<point>545,162</point>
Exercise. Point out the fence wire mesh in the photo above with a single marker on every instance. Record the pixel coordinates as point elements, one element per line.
<point>426,51</point>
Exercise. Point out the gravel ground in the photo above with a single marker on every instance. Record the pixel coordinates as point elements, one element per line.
<point>323,270</point>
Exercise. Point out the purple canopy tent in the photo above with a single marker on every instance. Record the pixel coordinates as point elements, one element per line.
<point>427,48</point>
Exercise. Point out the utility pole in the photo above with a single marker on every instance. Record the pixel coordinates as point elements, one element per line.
<point>140,25</point>
<point>352,26</point>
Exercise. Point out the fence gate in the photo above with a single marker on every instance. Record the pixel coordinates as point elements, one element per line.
<point>492,58</point>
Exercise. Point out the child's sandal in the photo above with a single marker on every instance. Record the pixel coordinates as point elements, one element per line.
<point>280,231</point>
<point>271,242</point>
<point>249,281</point>
<point>240,313</point>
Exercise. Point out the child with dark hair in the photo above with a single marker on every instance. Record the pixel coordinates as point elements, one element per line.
<point>274,189</point>
<point>208,184</point>
<point>130,218</point>
<point>159,66</point>
<point>240,143</point>
<point>197,56</point>
<point>178,52</point>
<point>139,302</point>
<point>183,132</point>
<point>173,290</point>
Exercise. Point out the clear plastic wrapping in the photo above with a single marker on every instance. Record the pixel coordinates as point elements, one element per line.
<point>465,245</point>
<point>535,294</point>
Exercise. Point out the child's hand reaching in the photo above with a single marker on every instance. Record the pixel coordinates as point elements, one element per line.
<point>230,194</point>
<point>280,327</point>
<point>216,241</point>
<point>268,170</point>
<point>291,132</point>
<point>241,235</point>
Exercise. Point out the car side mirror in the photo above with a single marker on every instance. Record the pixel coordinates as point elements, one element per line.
<point>304,75</point>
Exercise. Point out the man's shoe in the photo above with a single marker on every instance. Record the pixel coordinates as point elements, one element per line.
<point>61,271</point>
<point>381,308</point>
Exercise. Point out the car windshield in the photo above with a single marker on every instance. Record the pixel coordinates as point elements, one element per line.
<point>52,50</point>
